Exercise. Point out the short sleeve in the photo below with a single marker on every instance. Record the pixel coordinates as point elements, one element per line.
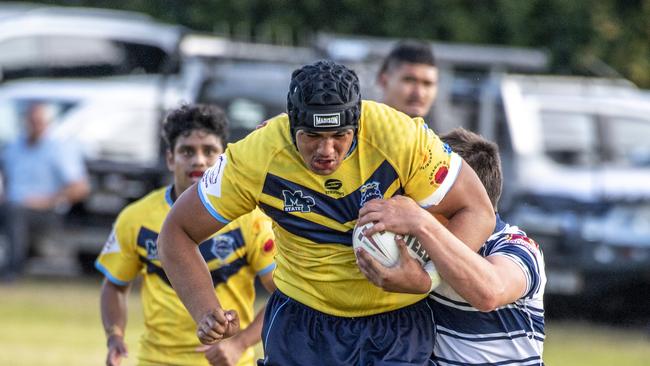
<point>261,246</point>
<point>118,260</point>
<point>434,169</point>
<point>524,252</point>
<point>232,186</point>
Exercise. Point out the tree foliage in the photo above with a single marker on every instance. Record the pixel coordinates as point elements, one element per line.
<point>601,37</point>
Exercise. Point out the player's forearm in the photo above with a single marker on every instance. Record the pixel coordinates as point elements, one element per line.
<point>186,270</point>
<point>113,307</point>
<point>470,275</point>
<point>253,333</point>
<point>473,225</point>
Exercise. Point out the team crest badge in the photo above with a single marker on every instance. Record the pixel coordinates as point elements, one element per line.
<point>152,249</point>
<point>370,191</point>
<point>297,202</point>
<point>222,246</point>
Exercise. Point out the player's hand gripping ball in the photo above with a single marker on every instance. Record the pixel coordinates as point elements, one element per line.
<point>383,247</point>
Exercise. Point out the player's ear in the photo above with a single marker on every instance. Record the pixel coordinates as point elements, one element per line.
<point>169,158</point>
<point>382,80</point>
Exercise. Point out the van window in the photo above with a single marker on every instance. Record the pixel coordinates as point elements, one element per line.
<point>569,138</point>
<point>628,141</point>
<point>68,56</point>
<point>584,139</point>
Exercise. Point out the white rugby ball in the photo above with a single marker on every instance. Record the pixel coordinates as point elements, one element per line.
<point>383,247</point>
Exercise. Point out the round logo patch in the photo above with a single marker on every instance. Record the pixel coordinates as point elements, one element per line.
<point>268,246</point>
<point>440,174</point>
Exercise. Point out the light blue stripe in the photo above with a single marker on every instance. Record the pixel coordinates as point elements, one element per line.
<point>168,195</point>
<point>208,206</point>
<point>266,270</point>
<point>266,337</point>
<point>108,275</point>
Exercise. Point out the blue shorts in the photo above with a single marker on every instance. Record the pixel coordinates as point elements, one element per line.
<point>295,334</point>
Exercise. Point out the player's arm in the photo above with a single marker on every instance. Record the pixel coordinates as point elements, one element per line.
<point>484,283</point>
<point>187,224</point>
<point>113,307</point>
<point>466,206</point>
<point>468,209</point>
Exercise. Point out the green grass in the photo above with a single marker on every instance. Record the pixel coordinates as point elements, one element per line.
<point>56,322</point>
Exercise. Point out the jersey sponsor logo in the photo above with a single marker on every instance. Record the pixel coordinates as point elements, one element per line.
<point>151,248</point>
<point>438,174</point>
<point>369,191</point>
<point>327,120</point>
<point>222,246</point>
<point>211,180</point>
<point>332,187</point>
<point>427,159</point>
<point>296,202</point>
<point>523,240</point>
<point>111,245</point>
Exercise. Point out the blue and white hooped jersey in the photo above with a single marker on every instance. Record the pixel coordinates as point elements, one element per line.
<point>510,335</point>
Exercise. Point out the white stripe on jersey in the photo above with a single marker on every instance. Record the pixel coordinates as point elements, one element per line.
<point>510,335</point>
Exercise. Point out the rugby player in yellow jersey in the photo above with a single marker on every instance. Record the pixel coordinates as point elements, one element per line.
<point>195,136</point>
<point>311,170</point>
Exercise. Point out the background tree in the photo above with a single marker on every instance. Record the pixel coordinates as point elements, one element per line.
<point>593,37</point>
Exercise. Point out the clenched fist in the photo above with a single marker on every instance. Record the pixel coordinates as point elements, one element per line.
<point>216,325</point>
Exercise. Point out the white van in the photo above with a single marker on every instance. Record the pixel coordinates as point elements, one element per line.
<point>579,180</point>
<point>110,76</point>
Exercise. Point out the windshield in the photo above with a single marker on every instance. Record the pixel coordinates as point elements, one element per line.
<point>77,56</point>
<point>585,139</point>
<point>249,92</point>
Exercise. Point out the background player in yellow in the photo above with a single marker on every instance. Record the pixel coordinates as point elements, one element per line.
<point>310,171</point>
<point>195,136</point>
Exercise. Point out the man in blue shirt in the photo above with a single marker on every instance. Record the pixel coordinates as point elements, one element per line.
<point>43,176</point>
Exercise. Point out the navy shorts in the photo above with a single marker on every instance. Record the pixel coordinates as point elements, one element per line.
<point>295,334</point>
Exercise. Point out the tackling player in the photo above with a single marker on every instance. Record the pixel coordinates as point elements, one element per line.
<point>489,308</point>
<point>195,136</point>
<point>311,170</point>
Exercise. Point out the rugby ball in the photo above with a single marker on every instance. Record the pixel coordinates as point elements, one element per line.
<point>383,247</point>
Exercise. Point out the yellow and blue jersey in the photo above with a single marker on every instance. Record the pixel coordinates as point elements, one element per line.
<point>235,255</point>
<point>314,215</point>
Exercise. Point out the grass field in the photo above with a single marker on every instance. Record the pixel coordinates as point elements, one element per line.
<point>56,322</point>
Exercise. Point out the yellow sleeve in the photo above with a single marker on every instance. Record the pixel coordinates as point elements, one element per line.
<point>433,170</point>
<point>261,243</point>
<point>118,260</point>
<point>232,186</point>
<point>427,167</point>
